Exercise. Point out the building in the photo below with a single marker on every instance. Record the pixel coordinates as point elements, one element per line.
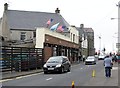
<point>29,29</point>
<point>57,44</point>
<point>87,40</point>
<point>18,26</point>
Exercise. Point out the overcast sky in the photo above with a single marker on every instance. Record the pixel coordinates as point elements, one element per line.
<point>96,14</point>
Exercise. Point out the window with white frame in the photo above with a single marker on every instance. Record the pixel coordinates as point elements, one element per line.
<point>23,36</point>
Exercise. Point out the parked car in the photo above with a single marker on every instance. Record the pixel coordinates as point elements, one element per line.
<point>118,59</point>
<point>57,64</point>
<point>90,60</point>
<point>101,57</point>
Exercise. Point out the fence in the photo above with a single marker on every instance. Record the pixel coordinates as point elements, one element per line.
<point>21,58</point>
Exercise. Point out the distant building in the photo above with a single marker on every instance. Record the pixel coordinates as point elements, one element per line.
<point>90,39</point>
<point>87,40</point>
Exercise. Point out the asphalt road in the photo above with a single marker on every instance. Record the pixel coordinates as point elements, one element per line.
<point>79,73</point>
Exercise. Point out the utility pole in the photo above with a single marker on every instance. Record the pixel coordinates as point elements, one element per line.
<point>99,43</point>
<point>119,27</point>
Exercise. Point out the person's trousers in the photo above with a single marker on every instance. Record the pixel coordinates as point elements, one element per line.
<point>108,71</point>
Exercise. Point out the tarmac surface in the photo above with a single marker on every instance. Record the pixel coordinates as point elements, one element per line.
<point>98,80</point>
<point>101,80</point>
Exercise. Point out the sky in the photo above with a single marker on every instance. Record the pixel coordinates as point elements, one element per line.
<point>95,14</point>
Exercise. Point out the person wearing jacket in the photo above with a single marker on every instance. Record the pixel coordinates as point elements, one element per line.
<point>108,66</point>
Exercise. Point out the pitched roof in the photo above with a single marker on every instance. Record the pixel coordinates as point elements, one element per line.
<point>29,19</point>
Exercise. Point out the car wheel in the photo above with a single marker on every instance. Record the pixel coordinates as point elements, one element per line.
<point>62,70</point>
<point>69,69</point>
<point>45,72</point>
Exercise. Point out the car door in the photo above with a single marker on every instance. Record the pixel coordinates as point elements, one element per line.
<point>67,63</point>
<point>64,63</point>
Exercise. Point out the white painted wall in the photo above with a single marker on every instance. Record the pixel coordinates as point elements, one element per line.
<point>73,30</point>
<point>40,36</point>
<point>4,29</point>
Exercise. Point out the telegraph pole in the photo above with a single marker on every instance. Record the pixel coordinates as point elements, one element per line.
<point>99,43</point>
<point>119,27</point>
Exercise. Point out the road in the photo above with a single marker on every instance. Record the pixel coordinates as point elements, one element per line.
<point>79,73</point>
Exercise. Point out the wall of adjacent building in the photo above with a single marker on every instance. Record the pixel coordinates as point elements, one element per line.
<point>5,32</point>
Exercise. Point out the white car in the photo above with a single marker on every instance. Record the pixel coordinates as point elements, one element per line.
<point>90,60</point>
<point>101,57</point>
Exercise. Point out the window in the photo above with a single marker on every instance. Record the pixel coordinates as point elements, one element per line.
<point>34,34</point>
<point>23,35</point>
<point>73,37</point>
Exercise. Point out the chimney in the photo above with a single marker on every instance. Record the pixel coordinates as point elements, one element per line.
<point>57,10</point>
<point>5,6</point>
<point>81,26</point>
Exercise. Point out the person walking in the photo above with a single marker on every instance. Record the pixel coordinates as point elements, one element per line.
<point>108,66</point>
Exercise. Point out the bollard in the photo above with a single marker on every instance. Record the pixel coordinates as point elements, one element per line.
<point>73,84</point>
<point>93,73</point>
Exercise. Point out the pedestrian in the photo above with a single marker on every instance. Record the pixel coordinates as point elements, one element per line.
<point>115,58</point>
<point>108,66</point>
<point>80,56</point>
<point>83,58</point>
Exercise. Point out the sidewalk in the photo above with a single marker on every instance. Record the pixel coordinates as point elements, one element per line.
<point>8,75</point>
<point>101,80</point>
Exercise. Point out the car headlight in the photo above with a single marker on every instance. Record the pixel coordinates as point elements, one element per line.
<point>45,66</point>
<point>59,65</point>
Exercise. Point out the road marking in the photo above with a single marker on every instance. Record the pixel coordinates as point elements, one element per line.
<point>81,68</point>
<point>48,79</point>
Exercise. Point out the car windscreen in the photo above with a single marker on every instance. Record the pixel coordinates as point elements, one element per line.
<point>90,58</point>
<point>54,60</point>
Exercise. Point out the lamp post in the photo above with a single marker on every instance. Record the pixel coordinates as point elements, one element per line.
<point>99,36</point>
<point>114,42</point>
<point>100,44</point>
<point>118,43</point>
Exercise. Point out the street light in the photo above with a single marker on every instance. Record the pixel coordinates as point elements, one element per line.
<point>118,44</point>
<point>99,36</point>
<point>114,18</point>
<point>114,42</point>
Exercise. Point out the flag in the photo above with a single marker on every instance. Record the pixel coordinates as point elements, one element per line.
<point>54,27</point>
<point>49,21</point>
<point>61,28</point>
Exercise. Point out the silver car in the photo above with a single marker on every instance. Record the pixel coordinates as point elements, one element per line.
<point>90,60</point>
